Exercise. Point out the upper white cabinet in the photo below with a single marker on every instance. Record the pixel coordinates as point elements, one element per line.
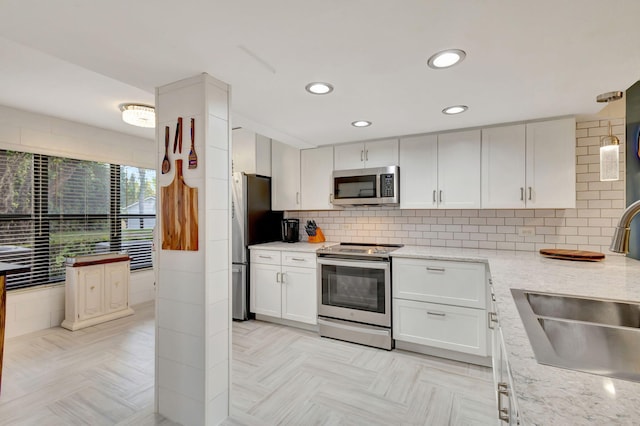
<point>459,170</point>
<point>530,165</point>
<point>251,152</point>
<point>503,167</point>
<point>440,171</point>
<point>316,183</point>
<point>380,153</point>
<point>285,177</point>
<point>551,164</point>
<point>418,172</point>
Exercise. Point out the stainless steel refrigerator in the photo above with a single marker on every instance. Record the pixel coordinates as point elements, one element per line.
<point>253,222</point>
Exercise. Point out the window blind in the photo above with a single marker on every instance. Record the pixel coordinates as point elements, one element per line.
<point>52,208</point>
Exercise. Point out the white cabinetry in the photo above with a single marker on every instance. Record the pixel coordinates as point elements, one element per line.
<point>316,183</point>
<point>551,164</point>
<point>440,171</point>
<point>529,165</point>
<point>251,152</point>
<point>441,304</point>
<point>419,172</point>
<point>283,285</point>
<point>507,406</point>
<point>285,177</point>
<point>380,153</point>
<point>503,167</point>
<point>96,290</point>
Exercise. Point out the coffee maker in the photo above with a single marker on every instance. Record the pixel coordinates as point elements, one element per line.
<point>290,233</point>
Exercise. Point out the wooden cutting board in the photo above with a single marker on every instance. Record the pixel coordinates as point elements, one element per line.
<point>589,256</point>
<point>179,214</point>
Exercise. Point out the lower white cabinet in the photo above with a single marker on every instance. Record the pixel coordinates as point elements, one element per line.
<point>96,290</point>
<point>441,304</point>
<point>443,326</point>
<point>507,404</point>
<point>283,285</point>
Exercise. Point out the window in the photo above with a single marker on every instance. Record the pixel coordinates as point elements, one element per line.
<point>52,208</point>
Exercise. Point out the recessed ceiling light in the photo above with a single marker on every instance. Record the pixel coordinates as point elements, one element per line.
<point>456,109</point>
<point>361,123</point>
<point>446,58</point>
<point>319,88</point>
<point>138,115</point>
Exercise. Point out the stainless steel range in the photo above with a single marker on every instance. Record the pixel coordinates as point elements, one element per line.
<point>354,293</point>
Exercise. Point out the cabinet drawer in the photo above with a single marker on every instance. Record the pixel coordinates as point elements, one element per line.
<point>304,260</point>
<point>449,282</point>
<point>269,257</point>
<point>441,326</point>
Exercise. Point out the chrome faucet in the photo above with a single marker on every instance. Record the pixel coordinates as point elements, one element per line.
<point>620,241</point>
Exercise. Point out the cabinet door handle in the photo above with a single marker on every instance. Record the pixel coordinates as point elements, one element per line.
<point>521,193</point>
<point>440,197</point>
<point>282,275</point>
<point>92,287</point>
<point>330,198</point>
<point>437,314</point>
<point>493,319</point>
<point>503,413</point>
<point>529,193</point>
<point>429,268</point>
<point>366,155</point>
<point>264,257</point>
<point>362,155</point>
<point>434,196</point>
<point>278,277</point>
<point>299,259</point>
<point>297,198</point>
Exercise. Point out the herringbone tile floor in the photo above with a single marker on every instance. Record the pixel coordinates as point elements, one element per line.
<point>283,375</point>
<point>104,375</point>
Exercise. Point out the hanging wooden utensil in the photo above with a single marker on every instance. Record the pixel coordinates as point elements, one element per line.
<point>193,158</point>
<point>180,135</point>
<point>175,138</point>
<point>166,164</point>
<point>179,214</point>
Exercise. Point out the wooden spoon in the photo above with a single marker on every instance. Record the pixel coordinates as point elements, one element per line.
<point>193,157</point>
<point>166,165</point>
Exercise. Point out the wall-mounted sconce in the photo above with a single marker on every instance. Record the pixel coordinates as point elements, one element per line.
<point>609,145</point>
<point>609,157</point>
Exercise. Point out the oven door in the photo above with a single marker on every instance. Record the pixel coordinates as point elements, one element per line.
<point>355,290</point>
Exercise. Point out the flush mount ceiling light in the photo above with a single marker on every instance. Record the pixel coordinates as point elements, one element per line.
<point>319,88</point>
<point>138,115</point>
<point>446,58</point>
<point>455,109</point>
<point>361,123</point>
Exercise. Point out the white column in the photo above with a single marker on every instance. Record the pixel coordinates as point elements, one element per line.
<point>193,320</point>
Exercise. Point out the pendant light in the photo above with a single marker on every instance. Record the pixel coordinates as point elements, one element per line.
<point>609,146</point>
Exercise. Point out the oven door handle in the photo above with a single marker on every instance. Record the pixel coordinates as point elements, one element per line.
<point>351,328</point>
<point>374,264</point>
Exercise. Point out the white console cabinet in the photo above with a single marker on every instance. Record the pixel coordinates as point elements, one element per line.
<point>96,290</point>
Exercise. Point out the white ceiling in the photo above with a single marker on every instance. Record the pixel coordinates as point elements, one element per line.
<point>79,60</point>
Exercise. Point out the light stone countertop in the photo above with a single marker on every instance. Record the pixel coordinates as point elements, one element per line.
<point>549,395</point>
<point>301,246</point>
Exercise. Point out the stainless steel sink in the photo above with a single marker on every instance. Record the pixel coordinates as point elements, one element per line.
<point>598,336</point>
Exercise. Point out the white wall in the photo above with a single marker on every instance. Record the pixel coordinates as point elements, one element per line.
<point>38,308</point>
<point>587,227</point>
<point>30,132</point>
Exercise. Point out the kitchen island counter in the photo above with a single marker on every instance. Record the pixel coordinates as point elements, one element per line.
<point>549,395</point>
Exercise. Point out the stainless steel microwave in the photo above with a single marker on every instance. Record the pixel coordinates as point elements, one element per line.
<point>378,186</point>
